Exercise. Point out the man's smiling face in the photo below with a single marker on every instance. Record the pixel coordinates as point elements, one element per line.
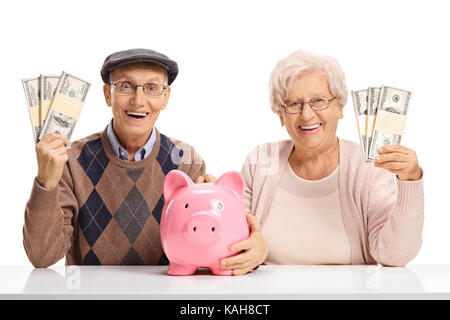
<point>135,114</point>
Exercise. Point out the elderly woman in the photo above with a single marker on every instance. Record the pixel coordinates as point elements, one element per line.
<point>313,198</point>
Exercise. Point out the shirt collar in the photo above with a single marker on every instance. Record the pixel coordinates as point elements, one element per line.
<point>122,153</point>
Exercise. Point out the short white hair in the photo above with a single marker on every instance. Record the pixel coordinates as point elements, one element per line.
<point>299,63</point>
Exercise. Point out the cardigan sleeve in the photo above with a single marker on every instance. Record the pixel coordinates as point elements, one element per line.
<point>395,218</point>
<point>247,172</point>
<point>47,229</point>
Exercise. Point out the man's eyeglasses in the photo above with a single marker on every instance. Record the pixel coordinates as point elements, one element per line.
<point>150,89</point>
<point>316,104</point>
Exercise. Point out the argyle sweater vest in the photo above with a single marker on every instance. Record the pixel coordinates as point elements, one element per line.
<point>105,211</point>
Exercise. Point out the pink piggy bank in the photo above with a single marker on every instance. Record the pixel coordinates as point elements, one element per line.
<point>200,222</point>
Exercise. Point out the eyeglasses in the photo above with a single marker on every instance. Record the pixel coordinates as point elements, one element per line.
<point>316,104</point>
<point>150,89</point>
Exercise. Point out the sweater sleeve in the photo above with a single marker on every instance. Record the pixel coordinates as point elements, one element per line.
<point>47,230</point>
<point>395,218</point>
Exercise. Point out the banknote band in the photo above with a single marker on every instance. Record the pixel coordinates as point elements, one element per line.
<point>45,105</point>
<point>67,105</point>
<point>370,124</point>
<point>391,122</point>
<point>34,116</point>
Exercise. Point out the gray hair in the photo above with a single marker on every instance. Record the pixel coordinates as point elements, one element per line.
<point>299,63</point>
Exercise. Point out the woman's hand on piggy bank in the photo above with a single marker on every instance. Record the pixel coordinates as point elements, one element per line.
<point>254,250</point>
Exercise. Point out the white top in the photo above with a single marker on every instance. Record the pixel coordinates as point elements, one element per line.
<point>304,224</point>
<point>266,283</point>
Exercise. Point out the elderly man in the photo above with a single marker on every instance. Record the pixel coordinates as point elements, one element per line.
<point>100,202</point>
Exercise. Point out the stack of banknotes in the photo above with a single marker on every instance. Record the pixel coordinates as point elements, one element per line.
<point>54,103</point>
<point>381,117</point>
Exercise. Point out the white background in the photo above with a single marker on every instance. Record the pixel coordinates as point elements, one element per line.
<point>219,102</point>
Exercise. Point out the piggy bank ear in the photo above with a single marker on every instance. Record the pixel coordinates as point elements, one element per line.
<point>175,180</point>
<point>233,180</point>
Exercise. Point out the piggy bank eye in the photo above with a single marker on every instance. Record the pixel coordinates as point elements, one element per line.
<point>186,205</point>
<point>219,205</point>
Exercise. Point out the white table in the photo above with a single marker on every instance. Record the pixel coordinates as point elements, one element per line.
<point>266,283</point>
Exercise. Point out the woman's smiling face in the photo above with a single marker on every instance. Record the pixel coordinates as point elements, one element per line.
<point>312,130</point>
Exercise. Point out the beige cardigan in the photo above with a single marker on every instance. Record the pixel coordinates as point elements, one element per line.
<point>383,216</point>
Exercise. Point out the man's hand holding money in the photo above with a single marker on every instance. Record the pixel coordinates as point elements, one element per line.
<point>51,156</point>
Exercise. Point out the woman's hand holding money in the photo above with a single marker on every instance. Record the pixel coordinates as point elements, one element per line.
<point>399,160</point>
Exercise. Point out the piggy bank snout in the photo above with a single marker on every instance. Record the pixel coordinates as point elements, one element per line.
<point>203,228</point>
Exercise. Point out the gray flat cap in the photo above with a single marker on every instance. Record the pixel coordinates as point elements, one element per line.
<point>139,55</point>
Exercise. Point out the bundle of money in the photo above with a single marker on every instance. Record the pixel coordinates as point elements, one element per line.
<point>54,103</point>
<point>381,117</point>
